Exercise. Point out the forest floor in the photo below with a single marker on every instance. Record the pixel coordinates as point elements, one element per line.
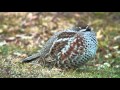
<point>24,33</point>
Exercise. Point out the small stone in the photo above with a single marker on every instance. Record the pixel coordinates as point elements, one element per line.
<point>108,55</point>
<point>117,39</point>
<point>115,47</point>
<point>3,43</point>
<point>117,66</point>
<point>106,64</point>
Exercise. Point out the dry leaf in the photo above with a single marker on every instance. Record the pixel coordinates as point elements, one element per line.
<point>99,35</point>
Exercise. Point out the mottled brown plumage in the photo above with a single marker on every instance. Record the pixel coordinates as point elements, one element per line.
<point>67,49</point>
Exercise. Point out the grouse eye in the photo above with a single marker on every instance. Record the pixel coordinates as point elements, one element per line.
<point>85,30</point>
<point>88,29</point>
